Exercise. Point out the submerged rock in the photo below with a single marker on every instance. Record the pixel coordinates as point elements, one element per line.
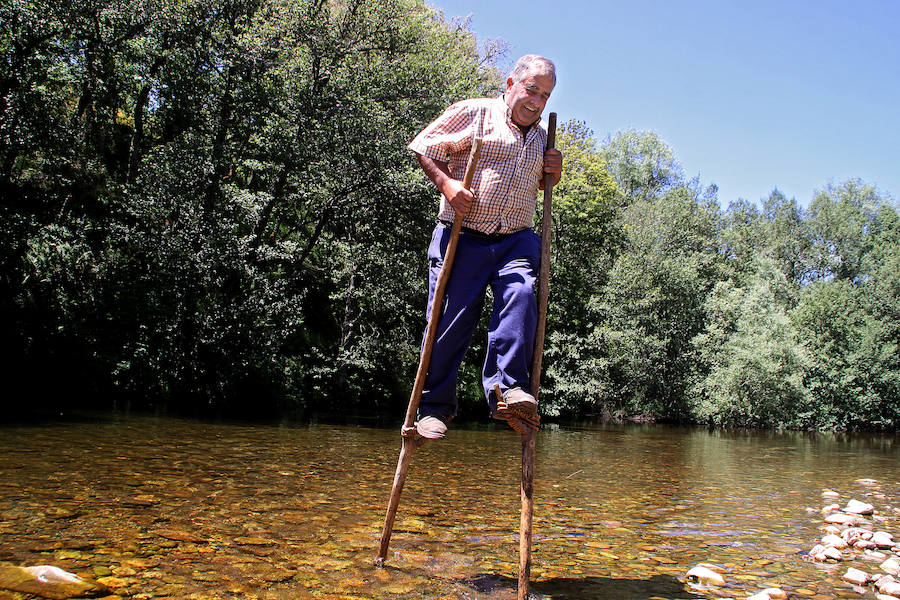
<point>47,581</point>
<point>705,575</point>
<point>769,594</point>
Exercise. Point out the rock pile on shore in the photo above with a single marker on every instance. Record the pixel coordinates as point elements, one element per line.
<point>850,533</point>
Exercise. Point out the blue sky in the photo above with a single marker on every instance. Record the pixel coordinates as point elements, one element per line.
<point>750,95</point>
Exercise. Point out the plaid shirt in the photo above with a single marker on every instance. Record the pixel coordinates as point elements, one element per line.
<point>509,169</point>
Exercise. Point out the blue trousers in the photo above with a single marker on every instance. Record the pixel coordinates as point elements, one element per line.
<point>509,265</point>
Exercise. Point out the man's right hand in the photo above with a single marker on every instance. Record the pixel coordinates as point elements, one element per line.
<point>438,172</point>
<point>458,196</point>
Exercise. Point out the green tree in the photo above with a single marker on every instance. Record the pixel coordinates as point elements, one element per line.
<point>587,238</point>
<point>840,219</point>
<point>652,305</point>
<point>642,165</point>
<point>785,235</point>
<point>750,365</point>
<point>206,195</point>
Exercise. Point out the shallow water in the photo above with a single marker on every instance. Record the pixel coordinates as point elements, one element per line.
<point>161,508</point>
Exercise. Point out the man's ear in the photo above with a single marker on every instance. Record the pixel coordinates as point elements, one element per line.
<point>509,83</point>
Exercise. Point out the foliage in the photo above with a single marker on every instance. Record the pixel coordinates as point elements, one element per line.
<point>586,240</point>
<point>208,207</point>
<point>750,363</point>
<point>211,200</point>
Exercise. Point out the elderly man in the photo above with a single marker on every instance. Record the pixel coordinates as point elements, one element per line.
<point>497,245</point>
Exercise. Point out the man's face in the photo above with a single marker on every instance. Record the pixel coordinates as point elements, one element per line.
<point>528,97</point>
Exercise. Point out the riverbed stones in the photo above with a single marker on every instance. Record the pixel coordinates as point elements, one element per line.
<point>883,539</point>
<point>178,536</point>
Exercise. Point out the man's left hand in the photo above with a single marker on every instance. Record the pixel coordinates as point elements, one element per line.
<point>552,165</point>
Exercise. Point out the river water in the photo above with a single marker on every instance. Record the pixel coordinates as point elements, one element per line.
<point>167,508</point>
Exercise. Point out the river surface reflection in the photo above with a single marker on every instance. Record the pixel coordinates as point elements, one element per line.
<point>160,508</point>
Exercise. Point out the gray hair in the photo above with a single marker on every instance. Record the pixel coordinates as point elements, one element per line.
<point>532,63</point>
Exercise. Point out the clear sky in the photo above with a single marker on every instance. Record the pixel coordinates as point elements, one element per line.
<point>750,95</point>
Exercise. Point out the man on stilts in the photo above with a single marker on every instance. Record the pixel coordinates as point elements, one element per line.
<point>497,246</point>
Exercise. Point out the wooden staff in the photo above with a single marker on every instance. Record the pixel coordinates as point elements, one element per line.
<point>409,442</point>
<point>528,438</point>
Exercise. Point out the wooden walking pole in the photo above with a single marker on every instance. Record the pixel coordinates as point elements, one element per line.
<point>528,439</point>
<point>409,442</point>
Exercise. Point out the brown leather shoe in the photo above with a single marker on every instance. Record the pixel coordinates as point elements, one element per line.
<point>521,402</point>
<point>431,427</point>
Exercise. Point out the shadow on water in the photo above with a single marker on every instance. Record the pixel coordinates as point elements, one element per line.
<point>584,588</point>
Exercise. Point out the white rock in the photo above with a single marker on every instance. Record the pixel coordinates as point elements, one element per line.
<point>830,508</point>
<point>842,519</point>
<point>830,494</point>
<point>884,597</point>
<point>775,593</point>
<point>833,529</point>
<point>705,575</point>
<point>851,534</point>
<point>760,596</point>
<point>51,574</point>
<point>891,565</point>
<point>883,539</point>
<point>891,588</point>
<point>821,553</point>
<point>867,481</point>
<point>835,541</point>
<point>864,545</point>
<point>833,553</point>
<point>856,507</point>
<point>856,576</point>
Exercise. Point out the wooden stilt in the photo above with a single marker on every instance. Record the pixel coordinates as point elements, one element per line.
<point>528,439</point>
<point>525,521</point>
<point>409,442</point>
